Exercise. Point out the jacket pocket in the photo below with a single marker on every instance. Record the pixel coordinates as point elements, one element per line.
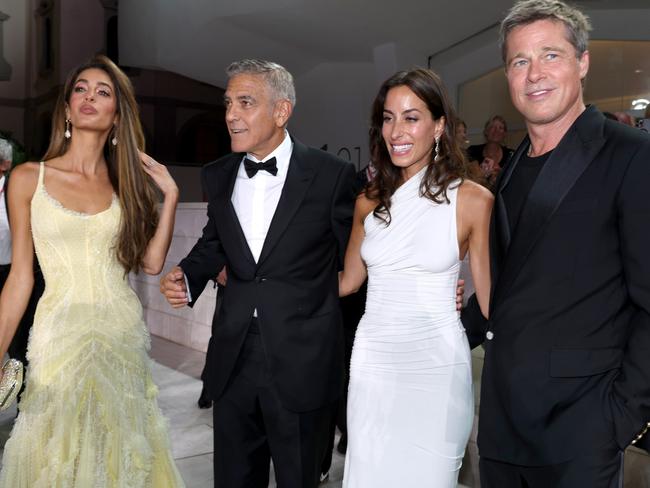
<point>572,363</point>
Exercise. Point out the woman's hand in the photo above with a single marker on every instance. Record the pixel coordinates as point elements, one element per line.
<point>159,174</point>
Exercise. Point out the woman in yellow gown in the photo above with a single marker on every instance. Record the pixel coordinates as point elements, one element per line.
<point>88,417</point>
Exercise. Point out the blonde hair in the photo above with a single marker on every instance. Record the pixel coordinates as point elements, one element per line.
<point>134,188</point>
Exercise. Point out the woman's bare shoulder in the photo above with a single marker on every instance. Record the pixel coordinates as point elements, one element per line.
<point>472,194</point>
<point>24,178</point>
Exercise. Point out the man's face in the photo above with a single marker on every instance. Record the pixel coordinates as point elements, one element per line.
<point>255,121</point>
<point>495,132</point>
<point>544,75</point>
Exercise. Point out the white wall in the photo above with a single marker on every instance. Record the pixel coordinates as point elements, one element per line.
<point>333,108</point>
<point>190,327</point>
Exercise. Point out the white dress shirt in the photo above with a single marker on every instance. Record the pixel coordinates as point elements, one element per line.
<point>5,234</point>
<point>256,199</point>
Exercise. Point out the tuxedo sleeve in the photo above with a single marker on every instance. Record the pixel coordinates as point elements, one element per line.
<point>342,209</point>
<point>474,322</point>
<point>207,257</point>
<point>630,398</point>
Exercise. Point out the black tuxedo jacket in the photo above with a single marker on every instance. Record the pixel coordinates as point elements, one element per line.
<point>294,284</point>
<point>569,362</point>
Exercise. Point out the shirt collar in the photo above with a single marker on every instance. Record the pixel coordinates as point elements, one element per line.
<point>282,153</point>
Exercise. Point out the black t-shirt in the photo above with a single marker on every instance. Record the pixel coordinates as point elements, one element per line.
<point>520,184</point>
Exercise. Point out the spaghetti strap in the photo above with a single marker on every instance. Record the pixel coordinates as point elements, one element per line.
<point>41,173</point>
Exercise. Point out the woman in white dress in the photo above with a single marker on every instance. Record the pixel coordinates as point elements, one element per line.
<point>410,404</point>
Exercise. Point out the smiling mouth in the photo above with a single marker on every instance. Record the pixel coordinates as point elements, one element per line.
<point>237,131</point>
<point>400,148</point>
<point>538,93</point>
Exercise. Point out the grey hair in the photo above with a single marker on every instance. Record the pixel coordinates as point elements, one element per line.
<point>528,11</point>
<point>6,150</point>
<point>277,77</point>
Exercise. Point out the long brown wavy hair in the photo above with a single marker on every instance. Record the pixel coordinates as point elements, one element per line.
<point>133,186</point>
<point>439,175</point>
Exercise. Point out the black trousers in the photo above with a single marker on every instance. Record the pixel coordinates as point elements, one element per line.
<point>251,427</point>
<point>600,467</point>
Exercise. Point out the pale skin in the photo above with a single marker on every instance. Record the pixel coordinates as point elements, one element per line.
<point>256,122</point>
<point>79,181</point>
<point>409,131</point>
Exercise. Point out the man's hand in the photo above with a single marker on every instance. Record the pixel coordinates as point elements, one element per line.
<point>222,277</point>
<point>460,291</point>
<point>172,285</point>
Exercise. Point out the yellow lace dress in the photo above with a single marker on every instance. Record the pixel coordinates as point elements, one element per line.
<point>88,416</point>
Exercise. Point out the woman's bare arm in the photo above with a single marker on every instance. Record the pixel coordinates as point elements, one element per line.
<point>354,269</point>
<point>18,287</point>
<point>474,211</point>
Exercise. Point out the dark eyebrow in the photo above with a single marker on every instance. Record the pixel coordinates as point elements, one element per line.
<point>83,80</point>
<point>405,111</point>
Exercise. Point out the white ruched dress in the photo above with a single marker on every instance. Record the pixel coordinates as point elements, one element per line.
<point>410,403</point>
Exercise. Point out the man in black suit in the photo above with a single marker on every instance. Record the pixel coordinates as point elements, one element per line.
<point>566,378</point>
<point>279,217</point>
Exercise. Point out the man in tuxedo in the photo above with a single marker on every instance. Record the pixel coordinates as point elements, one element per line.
<point>279,217</point>
<point>566,378</point>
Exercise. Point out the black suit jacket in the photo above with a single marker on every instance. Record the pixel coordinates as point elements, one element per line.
<point>294,284</point>
<point>569,363</point>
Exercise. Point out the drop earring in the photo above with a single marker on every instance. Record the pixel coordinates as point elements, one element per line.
<point>436,149</point>
<point>114,138</point>
<point>67,134</point>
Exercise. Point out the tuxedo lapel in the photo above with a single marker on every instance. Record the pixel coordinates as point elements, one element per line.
<point>565,165</point>
<point>299,176</point>
<point>229,225</point>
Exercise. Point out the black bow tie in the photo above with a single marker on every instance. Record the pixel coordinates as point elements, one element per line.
<point>252,167</point>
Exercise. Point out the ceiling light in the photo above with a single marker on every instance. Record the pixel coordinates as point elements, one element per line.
<point>640,103</point>
<point>638,71</point>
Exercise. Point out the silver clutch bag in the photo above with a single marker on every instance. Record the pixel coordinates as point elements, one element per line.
<point>12,381</point>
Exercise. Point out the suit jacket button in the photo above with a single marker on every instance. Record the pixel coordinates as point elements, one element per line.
<point>489,335</point>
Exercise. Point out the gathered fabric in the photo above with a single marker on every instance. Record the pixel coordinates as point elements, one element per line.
<point>410,400</point>
<point>88,416</point>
